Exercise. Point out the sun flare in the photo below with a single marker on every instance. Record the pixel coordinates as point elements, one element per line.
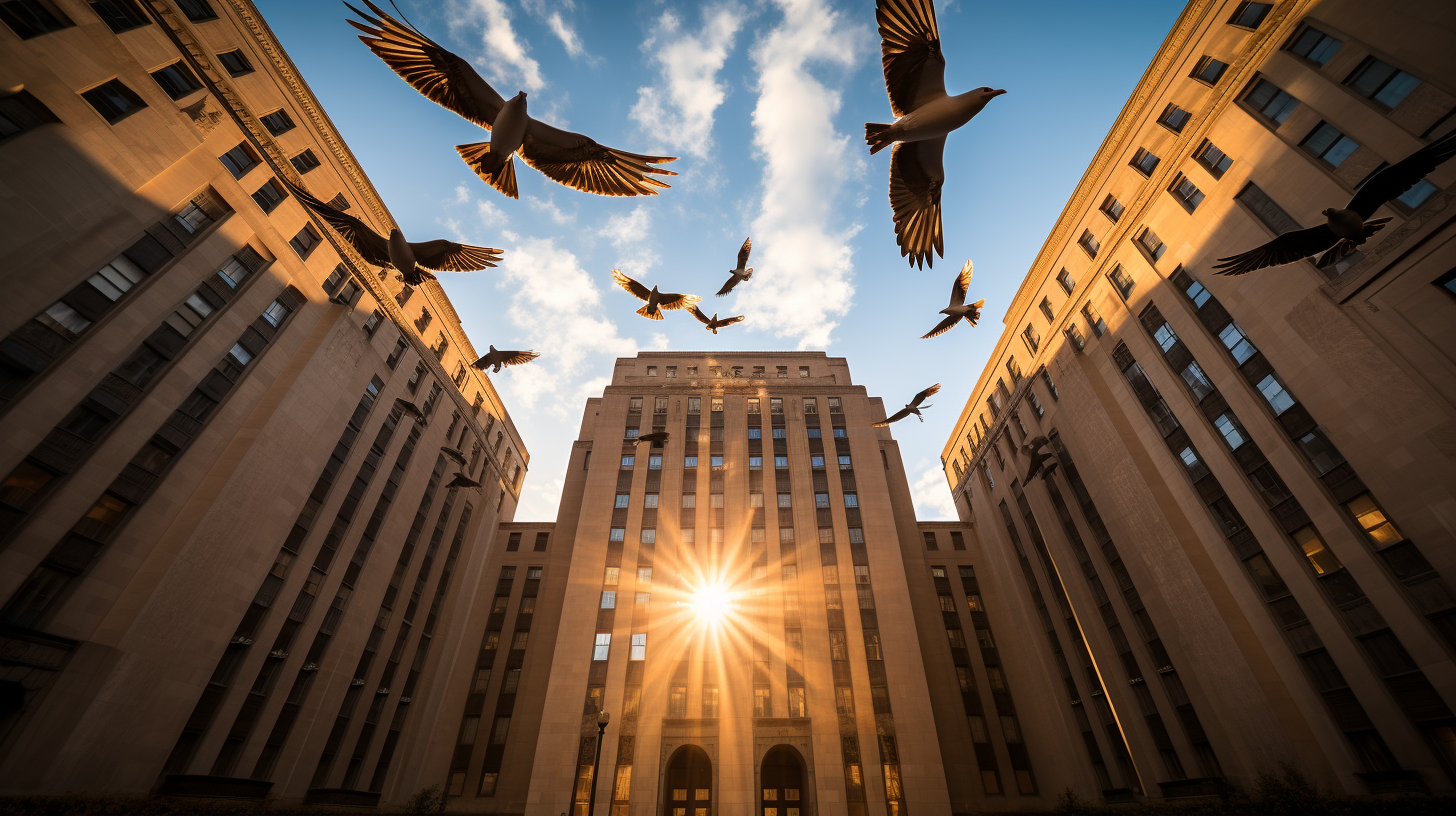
<point>711,603</point>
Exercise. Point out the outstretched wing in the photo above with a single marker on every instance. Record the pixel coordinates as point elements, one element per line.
<point>1396,179</point>
<point>895,417</point>
<point>698,313</point>
<point>642,292</point>
<point>961,285</point>
<point>579,162</point>
<point>743,252</point>
<point>915,199</point>
<point>925,395</point>
<point>942,327</point>
<point>448,256</point>
<point>433,70</point>
<point>728,287</point>
<point>728,321</point>
<point>673,300</point>
<point>1287,248</point>
<point>370,245</point>
<point>910,53</point>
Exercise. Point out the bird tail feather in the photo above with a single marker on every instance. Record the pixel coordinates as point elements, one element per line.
<point>650,313</point>
<point>876,138</point>
<point>1337,253</point>
<point>498,174</point>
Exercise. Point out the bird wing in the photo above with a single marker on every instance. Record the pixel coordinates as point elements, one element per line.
<point>925,395</point>
<point>942,327</point>
<point>915,200</point>
<point>370,244</point>
<point>673,300</point>
<point>1287,248</point>
<point>728,321</point>
<point>910,53</point>
<point>698,313</point>
<point>579,162</point>
<point>1396,179</point>
<point>743,252</point>
<point>448,256</point>
<point>430,68</point>
<point>961,286</point>
<point>728,287</point>
<point>642,292</point>
<point>510,358</point>
<point>895,417</point>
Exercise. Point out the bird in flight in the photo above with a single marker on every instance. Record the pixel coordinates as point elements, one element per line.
<point>1039,464</point>
<point>494,359</point>
<point>958,307</point>
<point>713,323</point>
<point>453,453</point>
<point>912,407</point>
<point>461,480</point>
<point>409,259</point>
<point>407,407</point>
<point>656,438</point>
<point>656,301</point>
<point>924,115</point>
<point>568,158</point>
<point>1345,229</point>
<point>740,274</point>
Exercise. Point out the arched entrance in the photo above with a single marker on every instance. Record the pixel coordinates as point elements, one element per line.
<point>689,783</point>
<point>782,782</point>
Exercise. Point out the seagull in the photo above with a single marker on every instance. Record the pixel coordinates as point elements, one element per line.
<point>713,323</point>
<point>410,259</point>
<point>913,407</point>
<point>1033,451</point>
<point>925,114</point>
<point>568,158</point>
<point>461,480</point>
<point>957,308</point>
<point>657,438</point>
<point>656,301</point>
<point>454,453</point>
<point>495,359</point>
<point>1345,229</point>
<point>740,274</point>
<point>410,408</point>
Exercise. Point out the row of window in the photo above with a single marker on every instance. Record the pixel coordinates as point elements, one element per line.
<point>695,404</point>
<point>816,462</point>
<point>780,372</point>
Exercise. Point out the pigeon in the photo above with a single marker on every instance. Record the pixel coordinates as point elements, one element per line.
<point>656,301</point>
<point>913,407</point>
<point>1033,451</point>
<point>713,323</point>
<point>453,453</point>
<point>740,274</point>
<point>656,438</point>
<point>495,359</point>
<point>957,308</point>
<point>1345,230</point>
<point>410,259</point>
<point>565,157</point>
<point>925,114</point>
<point>410,408</point>
<point>461,480</point>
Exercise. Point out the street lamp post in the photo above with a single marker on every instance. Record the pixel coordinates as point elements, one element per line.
<point>591,800</point>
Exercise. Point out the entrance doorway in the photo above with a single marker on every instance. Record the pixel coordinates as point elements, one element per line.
<point>782,782</point>
<point>689,783</point>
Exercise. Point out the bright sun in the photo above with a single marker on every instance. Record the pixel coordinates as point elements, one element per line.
<point>711,603</point>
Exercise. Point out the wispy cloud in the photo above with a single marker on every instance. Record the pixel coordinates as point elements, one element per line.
<point>802,239</point>
<point>631,234</point>
<point>932,497</point>
<point>505,59</point>
<point>552,17</point>
<point>678,110</point>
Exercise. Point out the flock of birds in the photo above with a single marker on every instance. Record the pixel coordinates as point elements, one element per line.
<point>925,114</point>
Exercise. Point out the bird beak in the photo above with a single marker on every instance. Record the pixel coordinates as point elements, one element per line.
<point>998,93</point>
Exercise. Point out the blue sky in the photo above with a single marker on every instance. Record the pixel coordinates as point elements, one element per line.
<point>765,104</point>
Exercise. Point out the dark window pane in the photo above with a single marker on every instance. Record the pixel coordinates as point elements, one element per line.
<point>113,100</point>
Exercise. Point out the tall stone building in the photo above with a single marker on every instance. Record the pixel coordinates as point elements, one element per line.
<point>1243,555</point>
<point>231,561</point>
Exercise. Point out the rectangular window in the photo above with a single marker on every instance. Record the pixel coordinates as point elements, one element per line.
<point>1209,70</point>
<point>1372,520</point>
<point>1315,549</point>
<point>1094,319</point>
<point>1046,309</point>
<point>1197,381</point>
<point>1275,393</point>
<point>781,463</point>
<point>753,405</point>
<point>1174,118</point>
<point>1196,469</point>
<point>834,406</point>
<point>775,405</point>
<point>1314,45</point>
<point>654,463</point>
<point>1229,427</point>
<point>1029,334</point>
<point>1165,337</point>
<point>1066,281</point>
<point>269,195</point>
<point>113,100</point>
<point>304,242</point>
<point>1212,159</point>
<point>755,463</point>
<point>609,599</point>
<point>851,500</point>
<point>304,162</point>
<point>1329,145</point>
<point>672,371</point>
<point>844,463</point>
<point>278,122</point>
<point>31,18</point>
<point>1121,280</point>
<point>690,461</point>
<point>1197,293</point>
<point>1381,82</point>
<point>1089,243</point>
<point>782,372</point>
<point>1237,343</point>
<point>602,647</point>
<point>639,647</point>
<point>1250,14</point>
<point>176,80</point>
<point>239,160</point>
<point>617,534</point>
<point>628,461</point>
<point>1186,192</point>
<point>235,62</point>
<point>1151,244</point>
<point>1269,101</point>
<point>119,15</point>
<point>1144,162</point>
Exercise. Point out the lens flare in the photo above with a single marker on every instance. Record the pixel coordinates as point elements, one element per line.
<point>711,603</point>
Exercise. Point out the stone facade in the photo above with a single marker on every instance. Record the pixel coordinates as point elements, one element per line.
<point>1243,556</point>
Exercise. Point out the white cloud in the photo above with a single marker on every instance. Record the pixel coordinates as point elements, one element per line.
<point>678,112</point>
<point>801,243</point>
<point>558,25</point>
<point>505,59</point>
<point>932,497</point>
<point>548,207</point>
<point>631,234</point>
